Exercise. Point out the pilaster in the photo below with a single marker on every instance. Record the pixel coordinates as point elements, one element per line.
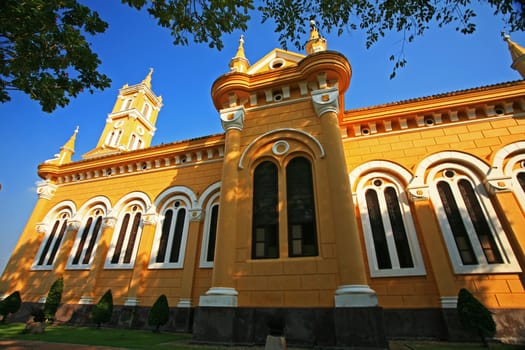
<point>353,291</point>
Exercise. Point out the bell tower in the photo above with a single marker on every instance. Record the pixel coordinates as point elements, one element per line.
<point>131,124</point>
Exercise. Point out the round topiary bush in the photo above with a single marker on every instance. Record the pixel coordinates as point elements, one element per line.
<point>159,313</point>
<point>103,309</point>
<point>10,305</point>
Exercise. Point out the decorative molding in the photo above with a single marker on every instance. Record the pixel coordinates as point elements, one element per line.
<point>131,301</point>
<point>184,303</point>
<point>41,227</point>
<point>355,295</point>
<point>232,118</point>
<point>325,101</point>
<point>449,302</point>
<point>498,184</point>
<point>219,297</point>
<point>73,224</point>
<point>196,214</point>
<point>45,189</point>
<point>109,221</point>
<point>419,193</point>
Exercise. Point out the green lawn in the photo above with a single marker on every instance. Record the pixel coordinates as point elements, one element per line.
<point>135,339</point>
<point>124,338</point>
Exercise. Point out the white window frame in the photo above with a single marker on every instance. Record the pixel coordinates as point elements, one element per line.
<point>121,265</point>
<point>168,204</point>
<point>80,266</point>
<point>389,181</point>
<point>62,216</point>
<point>113,137</point>
<point>510,263</point>
<point>213,201</point>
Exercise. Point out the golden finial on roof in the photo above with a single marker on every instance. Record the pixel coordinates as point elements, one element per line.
<point>316,43</point>
<point>147,80</point>
<point>66,151</point>
<point>239,62</point>
<point>517,54</point>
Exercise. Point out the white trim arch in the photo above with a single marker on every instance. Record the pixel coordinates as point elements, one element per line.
<point>453,173</point>
<point>124,245</point>
<point>54,227</point>
<point>380,176</point>
<point>285,133</point>
<point>88,236</point>
<point>212,207</point>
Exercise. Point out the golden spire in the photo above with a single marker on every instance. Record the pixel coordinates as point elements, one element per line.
<point>316,43</point>
<point>66,151</point>
<point>239,63</point>
<point>147,80</point>
<point>517,53</point>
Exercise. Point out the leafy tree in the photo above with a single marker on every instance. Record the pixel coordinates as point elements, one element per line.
<point>103,309</point>
<point>474,316</point>
<point>207,21</point>
<point>159,313</point>
<point>54,296</point>
<point>10,305</point>
<point>44,53</point>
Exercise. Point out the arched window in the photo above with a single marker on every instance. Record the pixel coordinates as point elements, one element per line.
<point>170,239</point>
<point>127,104</point>
<point>472,231</point>
<point>85,243</point>
<point>265,224</point>
<point>210,234</point>
<point>302,228</point>
<point>113,138</point>
<point>388,228</point>
<point>53,239</point>
<point>124,245</point>
<point>146,111</point>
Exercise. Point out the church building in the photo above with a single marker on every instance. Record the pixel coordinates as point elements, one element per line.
<point>333,228</point>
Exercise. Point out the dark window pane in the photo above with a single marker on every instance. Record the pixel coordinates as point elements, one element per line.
<point>400,236</point>
<point>57,243</point>
<point>486,239</point>
<point>85,233</point>
<point>120,240</point>
<point>212,233</point>
<point>132,238</point>
<point>521,180</point>
<point>177,238</point>
<point>50,239</point>
<point>456,224</point>
<point>163,244</point>
<point>378,230</point>
<point>265,212</point>
<point>302,228</point>
<point>93,240</point>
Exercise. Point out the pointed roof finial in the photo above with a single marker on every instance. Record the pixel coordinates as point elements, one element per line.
<point>147,80</point>
<point>316,43</point>
<point>239,62</point>
<point>66,151</point>
<point>517,54</point>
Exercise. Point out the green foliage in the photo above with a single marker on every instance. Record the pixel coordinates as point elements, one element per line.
<point>54,296</point>
<point>159,314</point>
<point>44,53</point>
<point>474,316</point>
<point>103,309</point>
<point>10,305</point>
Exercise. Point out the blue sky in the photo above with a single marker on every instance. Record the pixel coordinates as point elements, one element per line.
<point>441,61</point>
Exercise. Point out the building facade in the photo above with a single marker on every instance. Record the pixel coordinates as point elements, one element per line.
<point>343,228</point>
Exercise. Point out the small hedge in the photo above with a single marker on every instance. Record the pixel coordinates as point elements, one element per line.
<point>159,314</point>
<point>10,305</point>
<point>53,299</point>
<point>103,309</point>
<point>475,317</point>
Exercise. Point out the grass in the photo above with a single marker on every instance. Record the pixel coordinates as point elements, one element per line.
<point>123,338</point>
<point>137,339</point>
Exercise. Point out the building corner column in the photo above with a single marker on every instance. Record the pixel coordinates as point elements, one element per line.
<point>353,290</point>
<point>222,292</point>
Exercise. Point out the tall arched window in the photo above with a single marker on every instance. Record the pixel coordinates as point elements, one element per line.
<point>125,240</point>
<point>170,239</point>
<point>146,111</point>
<point>265,224</point>
<point>86,240</point>
<point>472,231</point>
<point>210,233</point>
<point>113,138</point>
<point>300,205</point>
<point>388,228</point>
<point>53,239</point>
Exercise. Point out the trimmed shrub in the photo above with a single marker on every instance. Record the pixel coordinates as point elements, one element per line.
<point>53,299</point>
<point>475,317</point>
<point>159,314</point>
<point>103,309</point>
<point>10,305</point>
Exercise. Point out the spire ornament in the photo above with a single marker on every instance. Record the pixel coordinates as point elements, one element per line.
<point>316,43</point>
<point>517,53</point>
<point>239,63</point>
<point>147,80</point>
